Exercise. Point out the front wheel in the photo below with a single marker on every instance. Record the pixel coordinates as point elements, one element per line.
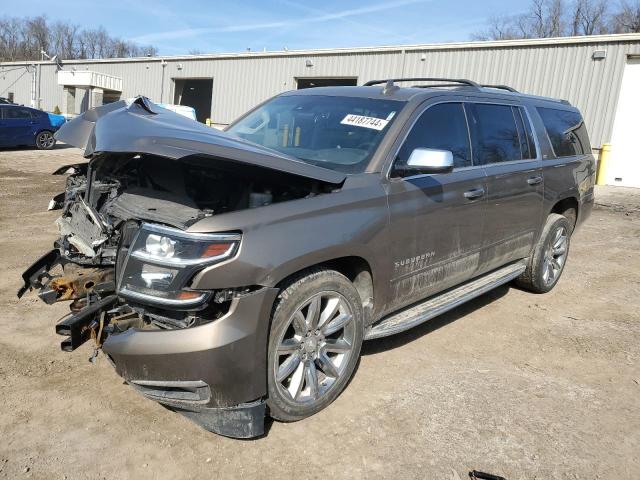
<point>314,345</point>
<point>45,140</point>
<point>549,256</point>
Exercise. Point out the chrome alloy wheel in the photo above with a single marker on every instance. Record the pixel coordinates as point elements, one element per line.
<point>315,348</point>
<point>555,256</point>
<point>45,140</point>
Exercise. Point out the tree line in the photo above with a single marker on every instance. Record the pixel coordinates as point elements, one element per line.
<point>25,38</point>
<point>559,18</point>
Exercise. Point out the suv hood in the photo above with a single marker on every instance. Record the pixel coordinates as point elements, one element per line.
<point>142,127</point>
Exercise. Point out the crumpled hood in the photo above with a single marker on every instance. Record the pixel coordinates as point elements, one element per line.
<point>142,127</point>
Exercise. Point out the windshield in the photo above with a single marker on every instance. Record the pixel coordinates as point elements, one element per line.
<point>340,133</point>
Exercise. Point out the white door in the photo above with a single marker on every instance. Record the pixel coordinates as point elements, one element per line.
<point>624,167</point>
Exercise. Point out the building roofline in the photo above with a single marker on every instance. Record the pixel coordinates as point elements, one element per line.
<point>586,39</point>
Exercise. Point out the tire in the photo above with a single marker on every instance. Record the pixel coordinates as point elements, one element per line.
<point>45,140</point>
<point>549,256</point>
<point>311,358</point>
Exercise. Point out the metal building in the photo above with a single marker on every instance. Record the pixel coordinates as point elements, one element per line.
<point>598,74</point>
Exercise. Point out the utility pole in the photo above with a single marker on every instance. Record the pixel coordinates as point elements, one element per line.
<point>40,76</point>
<point>33,85</point>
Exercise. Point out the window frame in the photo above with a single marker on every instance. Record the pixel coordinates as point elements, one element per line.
<point>18,107</point>
<point>546,132</point>
<point>422,111</point>
<point>533,131</point>
<point>527,117</point>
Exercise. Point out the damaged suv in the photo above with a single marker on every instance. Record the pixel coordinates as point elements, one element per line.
<point>231,275</point>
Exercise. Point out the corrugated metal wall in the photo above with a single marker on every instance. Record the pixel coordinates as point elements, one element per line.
<point>556,69</point>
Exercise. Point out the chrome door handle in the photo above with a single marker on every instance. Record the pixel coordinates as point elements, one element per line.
<point>534,180</point>
<point>473,194</point>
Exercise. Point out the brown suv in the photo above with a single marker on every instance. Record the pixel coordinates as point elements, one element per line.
<point>233,274</point>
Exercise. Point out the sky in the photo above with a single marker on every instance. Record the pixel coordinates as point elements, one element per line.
<point>177,27</point>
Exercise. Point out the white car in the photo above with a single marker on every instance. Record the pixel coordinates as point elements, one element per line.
<point>183,110</point>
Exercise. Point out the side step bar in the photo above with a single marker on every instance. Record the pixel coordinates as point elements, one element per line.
<point>443,302</point>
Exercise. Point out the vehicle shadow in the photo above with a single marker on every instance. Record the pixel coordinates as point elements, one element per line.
<point>22,148</point>
<point>379,345</point>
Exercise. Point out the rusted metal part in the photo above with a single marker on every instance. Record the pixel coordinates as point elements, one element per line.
<point>76,283</point>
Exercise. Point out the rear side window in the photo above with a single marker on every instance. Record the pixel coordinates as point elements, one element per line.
<point>442,127</point>
<point>567,132</point>
<point>17,114</point>
<point>495,134</point>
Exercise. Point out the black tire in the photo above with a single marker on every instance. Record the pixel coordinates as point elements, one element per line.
<point>45,140</point>
<point>536,278</point>
<point>291,303</point>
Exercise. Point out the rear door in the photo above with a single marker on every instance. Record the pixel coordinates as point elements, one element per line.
<point>503,142</point>
<point>436,220</point>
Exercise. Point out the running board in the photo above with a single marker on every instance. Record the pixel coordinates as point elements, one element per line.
<point>443,302</point>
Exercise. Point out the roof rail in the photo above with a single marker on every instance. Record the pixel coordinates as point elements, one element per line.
<point>390,81</point>
<point>501,87</point>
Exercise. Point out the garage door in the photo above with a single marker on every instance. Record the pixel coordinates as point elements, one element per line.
<point>625,140</point>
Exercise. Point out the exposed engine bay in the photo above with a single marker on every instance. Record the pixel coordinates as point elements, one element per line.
<point>125,205</point>
<point>118,188</point>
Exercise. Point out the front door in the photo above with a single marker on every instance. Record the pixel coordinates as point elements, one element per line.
<point>436,220</point>
<point>4,131</point>
<point>18,124</point>
<point>503,142</point>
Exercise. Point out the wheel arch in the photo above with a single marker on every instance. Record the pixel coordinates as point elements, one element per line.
<point>568,207</point>
<point>356,268</point>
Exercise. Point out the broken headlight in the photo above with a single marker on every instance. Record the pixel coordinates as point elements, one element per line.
<point>162,260</point>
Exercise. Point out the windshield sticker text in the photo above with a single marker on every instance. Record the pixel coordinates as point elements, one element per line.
<point>366,122</point>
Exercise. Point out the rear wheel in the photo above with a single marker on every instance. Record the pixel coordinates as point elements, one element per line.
<point>45,140</point>
<point>549,256</point>
<point>314,344</point>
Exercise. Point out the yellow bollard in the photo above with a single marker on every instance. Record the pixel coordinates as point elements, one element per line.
<point>208,122</point>
<point>603,164</point>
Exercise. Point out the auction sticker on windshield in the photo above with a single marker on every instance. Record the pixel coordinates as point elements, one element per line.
<point>366,122</point>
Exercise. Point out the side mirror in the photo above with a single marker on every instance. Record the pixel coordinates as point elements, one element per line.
<point>429,160</point>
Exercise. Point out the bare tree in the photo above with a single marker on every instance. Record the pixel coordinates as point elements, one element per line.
<point>590,17</point>
<point>555,18</point>
<point>10,38</point>
<point>546,18</point>
<point>627,20</point>
<point>499,28</point>
<point>25,39</point>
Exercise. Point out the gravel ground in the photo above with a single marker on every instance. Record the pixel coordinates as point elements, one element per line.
<point>520,385</point>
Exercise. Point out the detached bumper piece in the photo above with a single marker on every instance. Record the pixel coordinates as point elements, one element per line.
<point>243,421</point>
<point>190,398</point>
<point>77,327</point>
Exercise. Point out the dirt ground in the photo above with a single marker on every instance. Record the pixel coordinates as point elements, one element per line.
<point>520,385</point>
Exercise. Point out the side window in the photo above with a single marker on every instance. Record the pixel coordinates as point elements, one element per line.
<point>566,130</point>
<point>495,134</point>
<point>17,114</point>
<point>442,127</point>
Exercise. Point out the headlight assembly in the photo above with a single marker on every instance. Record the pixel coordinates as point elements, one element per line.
<point>162,260</point>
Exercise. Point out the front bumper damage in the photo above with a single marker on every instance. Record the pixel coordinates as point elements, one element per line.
<point>213,374</point>
<point>127,261</point>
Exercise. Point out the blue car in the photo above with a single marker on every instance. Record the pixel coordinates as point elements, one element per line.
<point>21,125</point>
